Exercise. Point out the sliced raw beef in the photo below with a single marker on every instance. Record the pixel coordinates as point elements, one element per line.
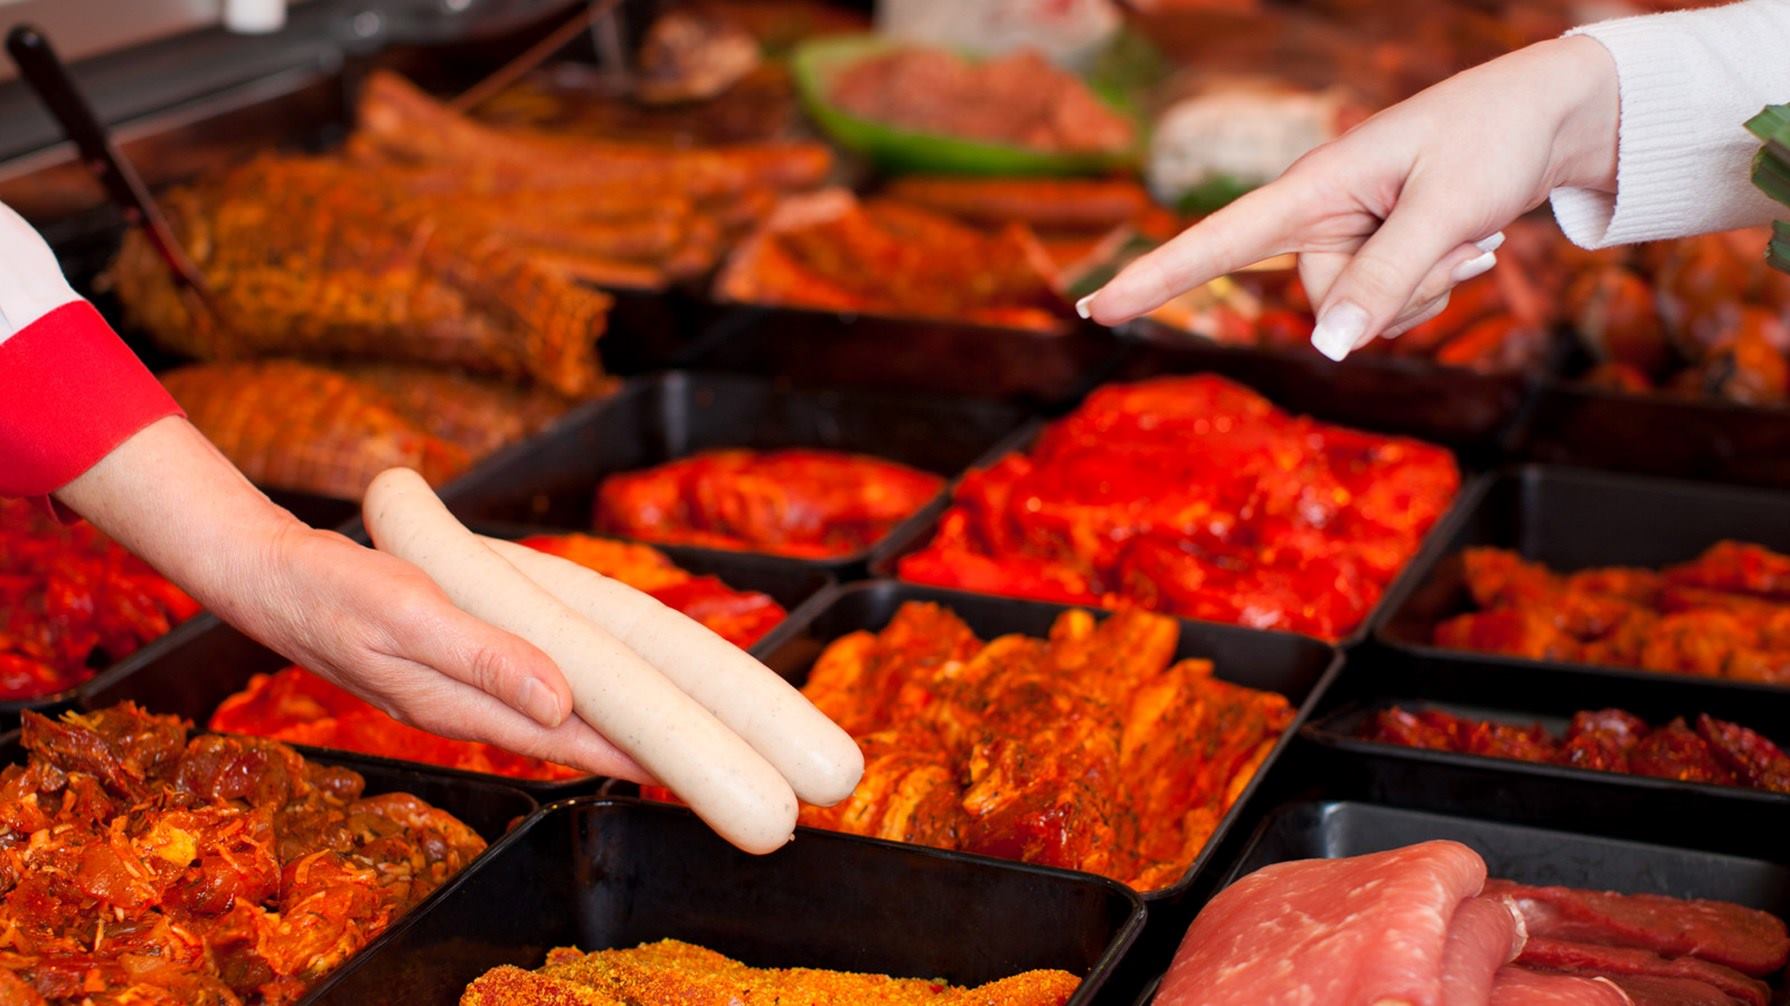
<point>1485,935</point>
<point>1671,991</point>
<point>1363,930</point>
<point>1522,987</point>
<point>1742,938</point>
<point>1591,959</point>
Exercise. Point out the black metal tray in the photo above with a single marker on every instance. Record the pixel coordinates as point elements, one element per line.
<point>192,675</point>
<point>915,536</point>
<point>1572,519</point>
<point>1658,434</point>
<point>1546,697</point>
<point>616,873</point>
<point>1291,665</point>
<point>1479,415</point>
<point>551,480</point>
<point>824,348</point>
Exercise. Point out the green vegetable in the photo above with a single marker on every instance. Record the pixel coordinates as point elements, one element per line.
<point>1212,194</point>
<point>1771,173</point>
<point>905,150</point>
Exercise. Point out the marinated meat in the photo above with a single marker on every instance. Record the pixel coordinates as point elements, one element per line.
<point>811,503</point>
<point>828,251</point>
<point>1741,938</point>
<point>142,866</point>
<point>72,601</point>
<point>299,707</point>
<point>1484,935</point>
<point>315,257</point>
<point>1018,99</point>
<point>479,415</point>
<point>1646,991</point>
<point>1196,497</point>
<point>1090,750</point>
<point>672,973</point>
<point>1045,204</point>
<point>1523,987</point>
<point>1609,740</point>
<point>1361,930</point>
<point>1723,614</point>
<point>1594,959</point>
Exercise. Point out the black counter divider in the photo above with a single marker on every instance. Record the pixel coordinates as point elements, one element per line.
<point>551,480</point>
<point>604,873</point>
<point>1571,519</point>
<point>193,674</point>
<point>1046,370</point>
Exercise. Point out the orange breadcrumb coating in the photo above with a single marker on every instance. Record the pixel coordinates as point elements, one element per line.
<point>672,972</point>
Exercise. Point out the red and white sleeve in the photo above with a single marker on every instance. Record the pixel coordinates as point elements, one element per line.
<point>70,390</point>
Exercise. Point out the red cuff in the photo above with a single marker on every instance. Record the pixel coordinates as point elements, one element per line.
<point>70,392</point>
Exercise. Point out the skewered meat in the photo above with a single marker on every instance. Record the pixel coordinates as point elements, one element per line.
<point>672,973</point>
<point>1197,497</point>
<point>792,502</point>
<point>299,707</point>
<point>315,257</point>
<point>1607,740</point>
<point>1723,614</point>
<point>144,866</point>
<point>1090,750</point>
<point>1018,99</point>
<point>72,600</point>
<point>828,251</point>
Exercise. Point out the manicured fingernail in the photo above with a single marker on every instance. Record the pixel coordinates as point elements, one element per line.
<point>538,704</point>
<point>1491,244</point>
<point>1475,267</point>
<point>1339,329</point>
<point>1081,306</point>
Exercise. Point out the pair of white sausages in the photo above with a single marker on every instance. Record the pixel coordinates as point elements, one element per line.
<point>722,731</point>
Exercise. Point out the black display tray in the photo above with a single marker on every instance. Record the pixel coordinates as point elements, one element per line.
<point>1658,434</point>
<point>1546,697</point>
<point>192,675</point>
<point>613,873</point>
<point>1291,665</point>
<point>1480,415</point>
<point>809,347</point>
<point>551,480</point>
<point>1571,519</point>
<point>914,536</point>
<point>1332,829</point>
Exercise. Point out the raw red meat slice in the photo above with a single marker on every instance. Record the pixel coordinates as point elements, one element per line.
<point>1742,938</point>
<point>1522,987</point>
<point>1647,991</point>
<point>1590,959</point>
<point>1361,930</point>
<point>1485,935</point>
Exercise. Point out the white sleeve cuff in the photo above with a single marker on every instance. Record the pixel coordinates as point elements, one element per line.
<point>31,281</point>
<point>1688,82</point>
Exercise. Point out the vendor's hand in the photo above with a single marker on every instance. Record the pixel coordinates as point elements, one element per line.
<point>370,622</point>
<point>1389,217</point>
<point>379,627</point>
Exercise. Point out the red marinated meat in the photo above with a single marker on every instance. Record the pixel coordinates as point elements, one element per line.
<point>1646,991</point>
<point>1522,987</point>
<point>1741,938</point>
<point>1602,739</point>
<point>1757,761</point>
<point>1591,959</point>
<point>1360,930</point>
<point>1674,751</point>
<point>1485,935</point>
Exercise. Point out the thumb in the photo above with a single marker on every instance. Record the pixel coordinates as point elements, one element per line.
<point>1383,277</point>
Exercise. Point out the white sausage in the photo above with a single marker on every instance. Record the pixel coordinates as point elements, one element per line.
<point>682,744</point>
<point>821,761</point>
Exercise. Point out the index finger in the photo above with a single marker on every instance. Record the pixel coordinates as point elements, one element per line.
<point>1257,226</point>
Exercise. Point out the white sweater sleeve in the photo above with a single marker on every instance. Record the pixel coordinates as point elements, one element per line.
<point>1688,81</point>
